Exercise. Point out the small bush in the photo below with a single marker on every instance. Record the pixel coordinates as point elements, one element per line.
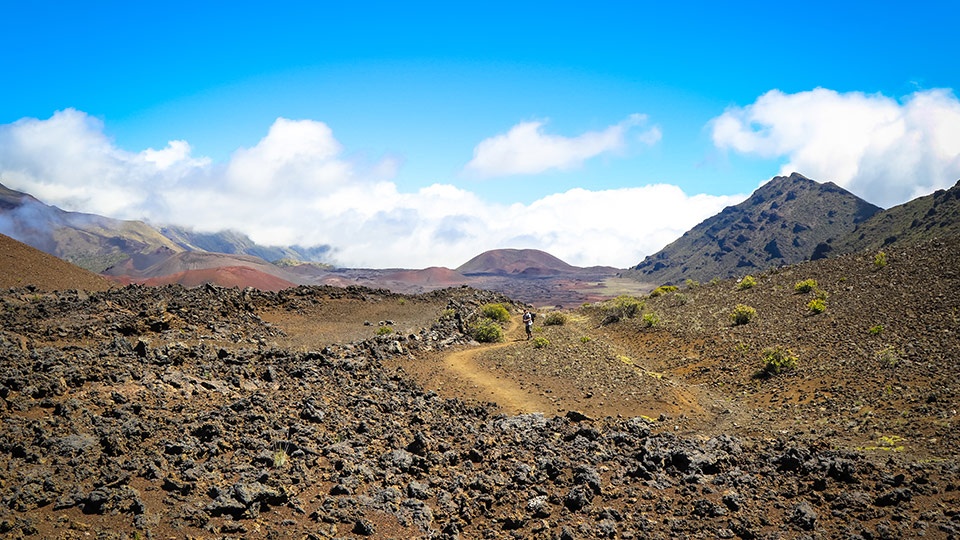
<point>662,290</point>
<point>621,307</point>
<point>715,281</point>
<point>495,312</point>
<point>540,342</point>
<point>817,306</point>
<point>487,331</point>
<point>384,330</point>
<point>805,286</point>
<point>888,356</point>
<point>585,339</point>
<point>879,260</point>
<point>778,360</point>
<point>555,318</point>
<point>748,282</point>
<point>742,314</point>
<point>691,284</point>
<point>876,330</point>
<point>650,320</point>
<point>447,314</point>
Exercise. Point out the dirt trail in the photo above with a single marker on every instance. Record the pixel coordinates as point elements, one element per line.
<point>511,398</point>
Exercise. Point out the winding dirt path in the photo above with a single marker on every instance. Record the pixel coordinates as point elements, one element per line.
<point>500,389</point>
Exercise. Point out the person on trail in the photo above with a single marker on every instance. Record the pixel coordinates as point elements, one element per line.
<point>528,323</point>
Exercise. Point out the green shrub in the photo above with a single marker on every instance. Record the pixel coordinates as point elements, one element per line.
<point>487,331</point>
<point>778,360</point>
<point>876,330</point>
<point>742,314</point>
<point>650,320</point>
<point>384,330</point>
<point>805,286</point>
<point>879,260</point>
<point>447,314</point>
<point>495,312</point>
<point>621,307</point>
<point>585,339</point>
<point>662,290</point>
<point>817,306</point>
<point>540,342</point>
<point>888,356</point>
<point>715,281</point>
<point>691,284</point>
<point>748,282</point>
<point>555,318</point>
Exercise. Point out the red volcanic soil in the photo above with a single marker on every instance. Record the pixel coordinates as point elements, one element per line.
<point>22,265</point>
<point>514,261</point>
<point>224,276</point>
<point>435,276</point>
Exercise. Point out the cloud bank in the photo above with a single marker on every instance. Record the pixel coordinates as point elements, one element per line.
<point>885,151</point>
<point>296,186</point>
<point>526,149</point>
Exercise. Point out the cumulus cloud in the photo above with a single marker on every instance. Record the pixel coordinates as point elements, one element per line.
<point>884,150</point>
<point>296,186</point>
<point>526,149</point>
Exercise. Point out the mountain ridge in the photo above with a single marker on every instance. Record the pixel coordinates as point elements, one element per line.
<point>781,223</point>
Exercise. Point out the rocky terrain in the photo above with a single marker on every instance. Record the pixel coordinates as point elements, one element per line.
<point>318,412</point>
<point>782,222</point>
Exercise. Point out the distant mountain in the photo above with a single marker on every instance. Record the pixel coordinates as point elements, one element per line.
<point>22,265</point>
<point>90,241</point>
<point>235,243</point>
<point>781,223</point>
<point>921,219</point>
<point>526,262</point>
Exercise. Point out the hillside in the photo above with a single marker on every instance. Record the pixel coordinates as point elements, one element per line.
<point>352,412</point>
<point>781,223</point>
<point>235,243</point>
<point>924,218</point>
<point>527,262</point>
<point>23,266</point>
<point>90,241</point>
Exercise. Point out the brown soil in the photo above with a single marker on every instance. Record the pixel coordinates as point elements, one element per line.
<point>166,411</point>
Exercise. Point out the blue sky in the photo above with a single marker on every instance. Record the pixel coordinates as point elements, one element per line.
<point>413,134</point>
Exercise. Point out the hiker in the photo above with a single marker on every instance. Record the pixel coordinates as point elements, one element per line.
<point>528,323</point>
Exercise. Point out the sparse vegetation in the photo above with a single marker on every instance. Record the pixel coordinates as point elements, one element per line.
<point>496,312</point>
<point>621,307</point>
<point>879,260</point>
<point>805,286</point>
<point>748,282</point>
<point>384,331</point>
<point>888,356</point>
<point>555,318</point>
<point>585,339</point>
<point>876,330</point>
<point>447,314</point>
<point>662,290</point>
<point>691,284</point>
<point>280,455</point>
<point>817,306</point>
<point>742,314</point>
<point>540,342</point>
<point>487,331</point>
<point>650,320</point>
<point>778,360</point>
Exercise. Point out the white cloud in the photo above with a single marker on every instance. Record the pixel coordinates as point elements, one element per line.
<point>296,186</point>
<point>885,151</point>
<point>525,149</point>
